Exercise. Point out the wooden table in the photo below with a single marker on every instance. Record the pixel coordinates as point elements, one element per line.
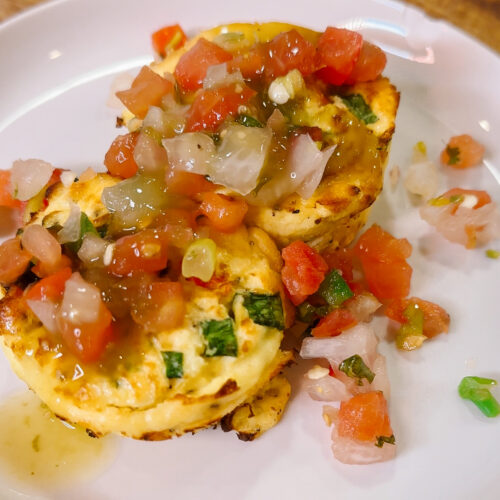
<point>480,18</point>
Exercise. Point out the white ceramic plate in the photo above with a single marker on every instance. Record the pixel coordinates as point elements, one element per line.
<point>57,64</point>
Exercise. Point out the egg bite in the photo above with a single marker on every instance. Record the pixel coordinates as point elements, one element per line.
<point>151,384</point>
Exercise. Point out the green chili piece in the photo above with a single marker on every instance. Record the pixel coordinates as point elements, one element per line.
<point>475,389</point>
<point>355,367</point>
<point>334,289</point>
<point>174,363</point>
<point>248,121</point>
<point>454,155</point>
<point>220,338</point>
<point>492,254</point>
<point>358,107</point>
<point>265,309</point>
<point>410,336</point>
<point>385,439</point>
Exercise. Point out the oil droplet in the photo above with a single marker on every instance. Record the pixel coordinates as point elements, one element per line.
<point>38,451</point>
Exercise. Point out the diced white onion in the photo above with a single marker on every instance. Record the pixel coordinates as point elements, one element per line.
<point>41,244</point>
<point>362,306</point>
<point>191,152</point>
<point>330,414</point>
<point>359,339</point>
<point>135,201</point>
<point>452,222</point>
<point>92,249</point>
<point>217,76</point>
<point>326,388</point>
<point>121,82</point>
<point>46,312</point>
<point>240,157</point>
<point>422,179</point>
<point>71,229</point>
<point>28,177</point>
<point>351,451</point>
<point>149,155</point>
<point>303,173</point>
<point>81,301</point>
<point>68,177</point>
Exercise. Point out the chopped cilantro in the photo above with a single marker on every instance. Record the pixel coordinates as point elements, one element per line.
<point>220,338</point>
<point>264,309</point>
<point>86,226</point>
<point>385,439</point>
<point>308,313</point>
<point>249,121</point>
<point>359,108</point>
<point>355,367</point>
<point>454,155</point>
<point>334,289</point>
<point>174,363</point>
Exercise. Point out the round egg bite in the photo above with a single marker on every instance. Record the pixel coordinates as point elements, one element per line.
<point>353,177</point>
<point>155,385</point>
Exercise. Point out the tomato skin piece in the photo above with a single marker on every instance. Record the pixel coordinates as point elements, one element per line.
<point>303,272</point>
<point>6,198</point>
<point>147,90</point>
<point>223,214</point>
<point>119,159</point>
<point>164,308</point>
<point>144,251</point>
<point>334,323</point>
<point>212,106</point>
<point>436,319</point>
<point>470,152</point>
<point>364,417</point>
<point>187,183</point>
<point>383,259</point>
<point>51,287</point>
<point>287,51</point>
<point>87,341</point>
<point>369,66</point>
<point>483,198</point>
<point>168,38</point>
<point>13,261</point>
<point>192,66</point>
<point>337,52</point>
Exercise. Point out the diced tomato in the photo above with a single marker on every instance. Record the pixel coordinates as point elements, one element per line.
<point>223,213</point>
<point>212,106</point>
<point>167,39</point>
<point>51,287</point>
<point>364,417</point>
<point>13,261</point>
<point>251,63</point>
<point>147,90</point>
<point>176,217</point>
<point>119,159</point>
<point>42,269</point>
<point>192,66</point>
<point>483,198</point>
<point>334,323</point>
<point>341,260</point>
<point>370,64</point>
<point>436,319</point>
<point>6,198</point>
<point>462,151</point>
<point>303,272</point>
<point>144,251</point>
<point>187,183</point>
<point>337,53</point>
<point>288,51</point>
<point>383,259</point>
<point>87,341</point>
<point>164,308</point>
